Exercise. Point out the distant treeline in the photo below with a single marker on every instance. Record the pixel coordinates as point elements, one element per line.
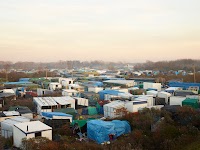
<point>182,64</point>
<point>60,65</point>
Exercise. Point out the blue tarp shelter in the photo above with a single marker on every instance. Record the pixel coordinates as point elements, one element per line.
<point>52,114</point>
<point>110,92</point>
<point>184,85</point>
<point>99,130</point>
<point>24,79</point>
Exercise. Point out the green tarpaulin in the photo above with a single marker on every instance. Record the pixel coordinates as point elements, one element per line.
<point>194,103</point>
<point>92,111</point>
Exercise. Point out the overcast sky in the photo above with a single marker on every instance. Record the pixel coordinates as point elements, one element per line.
<point>109,30</point>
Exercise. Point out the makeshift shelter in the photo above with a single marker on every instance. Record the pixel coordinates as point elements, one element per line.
<point>154,93</point>
<point>136,105</point>
<point>99,108</point>
<point>194,103</point>
<point>100,131</point>
<point>23,111</point>
<point>104,94</point>
<point>70,111</point>
<point>44,104</point>
<point>110,109</point>
<point>92,111</point>
<point>164,95</point>
<point>183,93</point>
<point>8,124</point>
<point>84,111</point>
<point>151,86</point>
<point>176,100</point>
<point>57,115</point>
<point>30,130</point>
<point>121,127</point>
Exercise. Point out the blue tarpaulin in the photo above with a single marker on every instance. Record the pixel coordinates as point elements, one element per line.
<point>99,130</point>
<point>121,127</point>
<point>110,92</point>
<point>84,111</point>
<point>184,85</point>
<point>51,114</point>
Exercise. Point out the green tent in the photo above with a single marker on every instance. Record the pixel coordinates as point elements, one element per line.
<point>194,103</point>
<point>13,108</point>
<point>92,111</point>
<point>70,111</point>
<point>81,123</point>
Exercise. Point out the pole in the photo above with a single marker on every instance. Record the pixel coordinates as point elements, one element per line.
<point>46,73</point>
<point>6,75</point>
<point>194,74</point>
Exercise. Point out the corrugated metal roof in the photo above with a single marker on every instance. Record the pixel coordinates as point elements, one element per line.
<point>123,82</point>
<point>45,101</point>
<point>64,100</point>
<point>11,113</point>
<point>18,119</point>
<point>115,104</point>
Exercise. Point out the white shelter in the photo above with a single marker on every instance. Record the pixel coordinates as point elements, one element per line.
<point>134,106</point>
<point>110,109</point>
<point>176,100</point>
<point>82,101</point>
<point>148,85</point>
<point>44,104</point>
<point>65,102</point>
<point>54,86</point>
<point>7,125</point>
<point>69,92</point>
<point>164,95</point>
<point>30,130</point>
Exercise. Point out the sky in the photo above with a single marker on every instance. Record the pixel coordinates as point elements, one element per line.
<point>108,30</point>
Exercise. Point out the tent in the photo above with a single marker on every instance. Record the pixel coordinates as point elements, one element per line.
<point>57,115</point>
<point>194,103</point>
<point>70,111</point>
<point>99,109</point>
<point>99,130</point>
<point>84,111</point>
<point>92,111</point>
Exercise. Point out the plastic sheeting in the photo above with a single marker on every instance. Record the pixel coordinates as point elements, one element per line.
<point>194,103</point>
<point>99,130</point>
<point>51,114</point>
<point>92,111</point>
<point>84,111</point>
<point>121,127</point>
<point>184,85</point>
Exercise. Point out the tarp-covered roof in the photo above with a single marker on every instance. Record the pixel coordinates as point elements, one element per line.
<point>99,130</point>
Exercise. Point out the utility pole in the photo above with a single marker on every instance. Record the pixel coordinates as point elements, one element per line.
<point>194,73</point>
<point>6,75</point>
<point>6,67</point>
<point>46,73</point>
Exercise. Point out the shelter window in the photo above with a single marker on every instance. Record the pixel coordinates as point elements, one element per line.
<point>68,106</point>
<point>38,134</point>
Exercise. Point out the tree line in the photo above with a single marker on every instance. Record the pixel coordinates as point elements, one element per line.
<point>182,64</point>
<point>60,65</point>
